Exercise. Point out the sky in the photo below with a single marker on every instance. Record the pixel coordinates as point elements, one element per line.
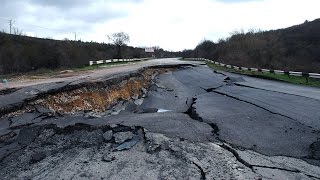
<point>170,24</point>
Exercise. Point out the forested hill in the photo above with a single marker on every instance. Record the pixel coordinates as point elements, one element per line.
<point>294,48</point>
<point>24,54</point>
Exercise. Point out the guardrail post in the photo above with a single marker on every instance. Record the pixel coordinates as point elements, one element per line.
<point>305,74</point>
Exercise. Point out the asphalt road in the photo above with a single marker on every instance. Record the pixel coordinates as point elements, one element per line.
<point>191,123</point>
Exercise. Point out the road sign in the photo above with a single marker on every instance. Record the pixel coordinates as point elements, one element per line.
<point>149,49</point>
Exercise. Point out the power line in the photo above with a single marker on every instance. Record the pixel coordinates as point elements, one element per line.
<point>4,18</point>
<point>41,27</point>
<point>13,24</point>
<point>30,25</point>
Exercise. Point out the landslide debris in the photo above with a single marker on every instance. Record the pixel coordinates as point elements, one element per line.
<point>107,96</point>
<point>97,99</point>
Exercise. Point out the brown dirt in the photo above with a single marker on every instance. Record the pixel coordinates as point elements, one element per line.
<point>97,99</point>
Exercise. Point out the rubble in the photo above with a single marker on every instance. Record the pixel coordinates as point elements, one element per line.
<point>121,137</point>
<point>108,135</point>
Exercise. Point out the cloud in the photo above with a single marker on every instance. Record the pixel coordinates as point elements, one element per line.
<point>54,18</point>
<point>237,1</point>
<point>11,9</point>
<point>62,4</point>
<point>170,24</point>
<point>180,24</point>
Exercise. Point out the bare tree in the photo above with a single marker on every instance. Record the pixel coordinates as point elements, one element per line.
<point>17,31</point>
<point>119,39</point>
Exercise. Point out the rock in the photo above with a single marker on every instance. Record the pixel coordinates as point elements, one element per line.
<point>23,119</point>
<point>92,115</point>
<point>135,97</point>
<point>88,138</point>
<point>107,135</point>
<point>113,126</point>
<point>43,110</point>
<point>138,102</point>
<point>121,137</point>
<point>129,144</point>
<point>153,87</point>
<point>114,113</point>
<point>117,108</point>
<point>4,123</point>
<point>131,107</point>
<point>27,135</point>
<point>144,91</point>
<point>108,157</point>
<point>37,156</point>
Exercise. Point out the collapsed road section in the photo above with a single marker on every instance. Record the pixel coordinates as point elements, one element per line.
<point>161,122</point>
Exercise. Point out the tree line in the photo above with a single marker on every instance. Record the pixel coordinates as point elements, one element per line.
<point>294,48</point>
<point>19,54</point>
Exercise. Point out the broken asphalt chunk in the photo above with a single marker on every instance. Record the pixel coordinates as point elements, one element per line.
<point>121,137</point>
<point>24,119</point>
<point>37,157</point>
<point>107,135</point>
<point>27,135</point>
<point>128,144</point>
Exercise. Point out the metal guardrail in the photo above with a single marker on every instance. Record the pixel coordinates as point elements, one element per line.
<point>116,60</point>
<point>290,73</point>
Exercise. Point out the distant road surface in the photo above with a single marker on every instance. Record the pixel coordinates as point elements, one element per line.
<point>90,74</point>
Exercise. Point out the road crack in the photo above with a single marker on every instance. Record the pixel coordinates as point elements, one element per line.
<point>242,85</point>
<point>192,111</point>
<point>211,89</point>
<point>238,99</point>
<point>284,169</point>
<point>203,174</point>
<point>236,155</point>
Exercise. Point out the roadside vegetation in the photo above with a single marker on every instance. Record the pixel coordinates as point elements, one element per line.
<point>296,48</point>
<point>21,54</point>
<point>270,76</point>
<point>43,73</point>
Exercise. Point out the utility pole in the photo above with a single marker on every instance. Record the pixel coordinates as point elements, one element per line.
<point>10,24</point>
<point>75,36</point>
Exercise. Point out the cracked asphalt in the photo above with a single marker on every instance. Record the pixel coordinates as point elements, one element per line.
<point>190,123</point>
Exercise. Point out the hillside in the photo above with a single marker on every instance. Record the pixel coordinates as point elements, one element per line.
<point>24,54</point>
<point>294,48</point>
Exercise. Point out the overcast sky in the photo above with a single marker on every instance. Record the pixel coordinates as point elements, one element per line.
<point>170,24</point>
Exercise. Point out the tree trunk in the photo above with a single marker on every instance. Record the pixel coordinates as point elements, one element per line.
<point>119,55</point>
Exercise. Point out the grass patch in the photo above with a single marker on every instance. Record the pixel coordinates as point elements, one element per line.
<point>271,76</point>
<point>96,66</point>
